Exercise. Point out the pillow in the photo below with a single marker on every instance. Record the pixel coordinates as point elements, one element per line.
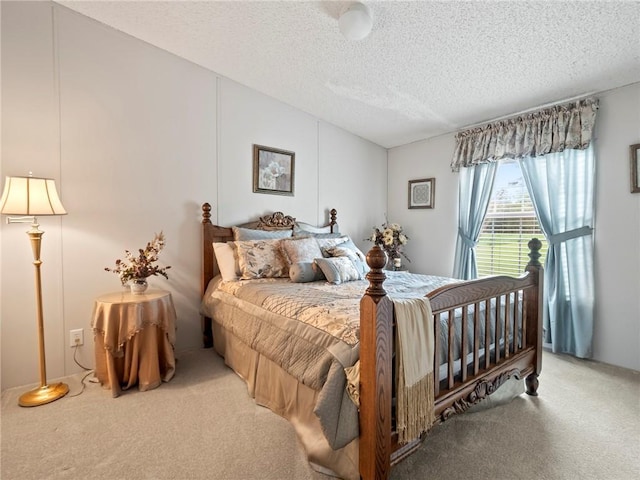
<point>261,259</point>
<point>301,250</point>
<point>242,234</point>
<point>348,243</point>
<point>338,269</point>
<point>342,251</point>
<point>324,243</point>
<point>227,261</point>
<point>297,232</point>
<point>303,272</point>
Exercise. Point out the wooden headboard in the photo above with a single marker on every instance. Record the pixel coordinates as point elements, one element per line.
<point>215,233</point>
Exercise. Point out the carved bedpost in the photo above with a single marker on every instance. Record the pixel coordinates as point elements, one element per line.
<point>533,299</point>
<point>376,350</point>
<point>207,271</point>
<point>334,216</point>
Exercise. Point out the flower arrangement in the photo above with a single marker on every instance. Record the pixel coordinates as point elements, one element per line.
<point>390,237</point>
<point>141,266</point>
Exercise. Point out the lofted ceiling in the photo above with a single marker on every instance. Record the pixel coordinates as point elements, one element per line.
<point>426,68</point>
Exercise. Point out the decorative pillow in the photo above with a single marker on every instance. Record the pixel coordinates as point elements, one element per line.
<point>261,259</point>
<point>243,234</point>
<point>227,261</point>
<point>338,269</point>
<point>303,272</point>
<point>342,251</point>
<point>301,250</point>
<point>324,243</point>
<point>348,243</point>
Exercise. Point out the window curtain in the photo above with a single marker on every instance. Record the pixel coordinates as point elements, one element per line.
<point>474,194</point>
<point>546,131</point>
<point>554,147</point>
<point>561,186</point>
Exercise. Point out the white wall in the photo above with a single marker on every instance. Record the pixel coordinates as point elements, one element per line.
<point>352,178</point>
<point>617,226</point>
<point>137,140</point>
<point>138,155</point>
<point>248,117</point>
<point>617,231</point>
<point>432,232</point>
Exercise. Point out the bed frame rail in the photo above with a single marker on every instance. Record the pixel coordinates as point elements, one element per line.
<point>503,313</point>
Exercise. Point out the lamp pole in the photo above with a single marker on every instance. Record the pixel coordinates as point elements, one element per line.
<point>45,393</point>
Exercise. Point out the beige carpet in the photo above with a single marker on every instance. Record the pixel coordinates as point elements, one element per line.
<point>584,425</point>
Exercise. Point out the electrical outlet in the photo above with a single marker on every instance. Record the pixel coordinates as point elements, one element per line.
<point>76,337</point>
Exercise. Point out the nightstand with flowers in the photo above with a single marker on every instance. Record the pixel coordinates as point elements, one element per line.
<point>391,238</point>
<point>135,329</point>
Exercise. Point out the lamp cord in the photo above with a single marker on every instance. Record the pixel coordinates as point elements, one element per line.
<point>86,369</point>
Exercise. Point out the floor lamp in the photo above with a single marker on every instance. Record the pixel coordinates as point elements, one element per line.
<point>31,197</point>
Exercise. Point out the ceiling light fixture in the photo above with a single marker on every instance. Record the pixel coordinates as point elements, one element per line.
<point>355,22</point>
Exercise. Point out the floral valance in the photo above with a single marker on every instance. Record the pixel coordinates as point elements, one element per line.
<point>538,133</point>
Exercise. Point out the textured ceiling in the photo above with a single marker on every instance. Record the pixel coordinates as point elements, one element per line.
<point>427,67</point>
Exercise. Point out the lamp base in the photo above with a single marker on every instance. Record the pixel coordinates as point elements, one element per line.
<point>42,395</point>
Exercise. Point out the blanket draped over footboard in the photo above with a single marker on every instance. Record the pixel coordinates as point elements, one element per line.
<point>414,358</point>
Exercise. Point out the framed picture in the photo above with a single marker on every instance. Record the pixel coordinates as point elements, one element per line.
<point>273,170</point>
<point>422,193</point>
<point>635,168</point>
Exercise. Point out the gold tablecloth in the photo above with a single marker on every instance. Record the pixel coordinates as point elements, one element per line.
<point>134,339</point>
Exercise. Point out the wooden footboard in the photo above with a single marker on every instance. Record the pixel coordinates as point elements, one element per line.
<point>502,316</point>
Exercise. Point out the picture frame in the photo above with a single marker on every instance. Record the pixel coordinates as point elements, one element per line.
<point>273,170</point>
<point>422,193</point>
<point>634,152</point>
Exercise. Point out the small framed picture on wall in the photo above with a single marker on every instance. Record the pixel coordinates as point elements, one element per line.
<point>635,168</point>
<point>422,193</point>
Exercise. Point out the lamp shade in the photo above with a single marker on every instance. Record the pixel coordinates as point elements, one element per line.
<point>30,196</point>
<point>356,22</point>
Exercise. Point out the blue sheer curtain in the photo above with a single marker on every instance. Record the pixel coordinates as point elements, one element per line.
<point>474,194</point>
<point>561,186</point>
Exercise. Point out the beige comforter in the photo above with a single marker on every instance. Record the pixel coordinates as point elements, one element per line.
<point>311,330</point>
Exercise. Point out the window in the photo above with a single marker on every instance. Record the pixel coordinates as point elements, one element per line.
<point>509,225</point>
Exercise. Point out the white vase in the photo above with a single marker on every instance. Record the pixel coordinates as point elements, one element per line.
<point>397,263</point>
<point>138,286</point>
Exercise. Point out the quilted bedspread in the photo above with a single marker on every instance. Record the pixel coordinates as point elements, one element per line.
<point>311,330</point>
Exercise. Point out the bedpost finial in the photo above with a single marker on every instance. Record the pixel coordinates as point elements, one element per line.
<point>376,259</point>
<point>534,252</point>
<point>206,213</point>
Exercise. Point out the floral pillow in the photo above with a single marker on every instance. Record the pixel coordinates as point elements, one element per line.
<point>343,251</point>
<point>301,250</point>
<point>338,269</point>
<point>261,259</point>
<point>324,243</point>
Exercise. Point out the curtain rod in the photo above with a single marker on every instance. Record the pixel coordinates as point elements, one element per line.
<point>528,110</point>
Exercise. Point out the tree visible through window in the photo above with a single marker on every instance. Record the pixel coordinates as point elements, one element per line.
<point>509,225</point>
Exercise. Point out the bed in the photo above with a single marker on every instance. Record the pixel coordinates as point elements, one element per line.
<point>486,333</point>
